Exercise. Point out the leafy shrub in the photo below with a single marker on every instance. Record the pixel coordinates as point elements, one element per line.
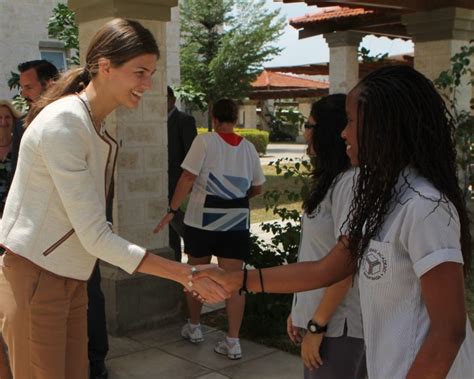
<point>285,124</point>
<point>449,82</point>
<point>266,313</point>
<point>259,138</point>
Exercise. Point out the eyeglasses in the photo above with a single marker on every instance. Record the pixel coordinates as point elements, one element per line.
<point>309,126</point>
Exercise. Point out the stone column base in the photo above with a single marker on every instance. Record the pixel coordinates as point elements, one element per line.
<point>139,301</point>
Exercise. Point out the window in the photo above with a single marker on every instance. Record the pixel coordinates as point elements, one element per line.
<point>54,53</point>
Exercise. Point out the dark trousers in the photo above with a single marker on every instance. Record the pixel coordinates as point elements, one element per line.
<point>96,325</point>
<point>176,229</point>
<point>175,244</point>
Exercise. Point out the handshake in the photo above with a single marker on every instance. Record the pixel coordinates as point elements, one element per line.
<point>208,282</point>
<point>211,284</point>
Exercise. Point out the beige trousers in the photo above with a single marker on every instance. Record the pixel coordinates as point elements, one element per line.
<point>44,321</point>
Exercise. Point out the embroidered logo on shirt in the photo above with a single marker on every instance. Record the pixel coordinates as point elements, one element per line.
<point>315,212</point>
<point>375,264</point>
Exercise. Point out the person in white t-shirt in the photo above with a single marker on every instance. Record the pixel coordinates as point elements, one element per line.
<point>327,321</point>
<point>407,235</point>
<point>223,171</point>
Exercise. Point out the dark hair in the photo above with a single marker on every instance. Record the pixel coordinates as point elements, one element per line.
<point>225,110</point>
<point>119,40</point>
<point>171,93</point>
<point>331,158</point>
<point>402,121</point>
<point>45,70</point>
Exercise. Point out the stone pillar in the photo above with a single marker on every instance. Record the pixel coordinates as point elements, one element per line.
<point>304,106</point>
<point>137,301</point>
<point>173,40</point>
<point>249,114</point>
<point>343,60</point>
<point>438,35</point>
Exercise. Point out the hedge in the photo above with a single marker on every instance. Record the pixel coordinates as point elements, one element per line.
<point>259,138</point>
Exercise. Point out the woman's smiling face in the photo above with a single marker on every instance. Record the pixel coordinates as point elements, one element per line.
<point>132,79</point>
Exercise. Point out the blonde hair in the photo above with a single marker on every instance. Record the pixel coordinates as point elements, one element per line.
<point>15,114</point>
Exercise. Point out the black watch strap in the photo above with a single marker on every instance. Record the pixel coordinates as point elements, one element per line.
<point>315,328</point>
<point>171,210</point>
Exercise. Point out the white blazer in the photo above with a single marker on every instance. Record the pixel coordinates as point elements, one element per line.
<point>55,211</point>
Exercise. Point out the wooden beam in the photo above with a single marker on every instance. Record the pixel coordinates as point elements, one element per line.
<point>310,69</point>
<point>390,31</point>
<point>287,93</point>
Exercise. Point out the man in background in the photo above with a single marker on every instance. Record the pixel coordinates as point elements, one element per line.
<point>35,78</point>
<point>181,133</point>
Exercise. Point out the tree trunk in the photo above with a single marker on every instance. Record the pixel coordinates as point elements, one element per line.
<point>209,116</point>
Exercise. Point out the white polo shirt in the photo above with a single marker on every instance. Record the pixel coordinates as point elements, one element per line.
<point>224,175</point>
<point>319,233</point>
<point>417,235</point>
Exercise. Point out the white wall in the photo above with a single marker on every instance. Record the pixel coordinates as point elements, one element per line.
<point>23,24</point>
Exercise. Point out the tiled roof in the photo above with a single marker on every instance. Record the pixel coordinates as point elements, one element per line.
<point>329,14</point>
<point>268,79</point>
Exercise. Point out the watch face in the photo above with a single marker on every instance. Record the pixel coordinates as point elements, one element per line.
<point>312,328</point>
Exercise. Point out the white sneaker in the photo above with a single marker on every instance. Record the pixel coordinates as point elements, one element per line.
<point>193,335</point>
<point>232,352</point>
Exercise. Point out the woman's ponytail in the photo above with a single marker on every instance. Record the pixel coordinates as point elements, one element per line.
<point>72,81</point>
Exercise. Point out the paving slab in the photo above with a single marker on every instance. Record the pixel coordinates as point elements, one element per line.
<point>164,335</point>
<point>204,355</point>
<point>120,346</point>
<point>214,375</point>
<point>153,363</point>
<point>277,365</point>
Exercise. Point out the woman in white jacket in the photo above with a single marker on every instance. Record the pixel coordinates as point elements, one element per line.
<point>54,225</point>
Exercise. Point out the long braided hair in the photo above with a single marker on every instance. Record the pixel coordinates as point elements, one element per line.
<point>331,158</point>
<point>402,121</point>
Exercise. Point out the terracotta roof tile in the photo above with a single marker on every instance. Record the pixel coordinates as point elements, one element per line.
<point>268,79</point>
<point>330,13</point>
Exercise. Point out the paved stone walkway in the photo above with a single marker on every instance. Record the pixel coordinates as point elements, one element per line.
<point>163,354</point>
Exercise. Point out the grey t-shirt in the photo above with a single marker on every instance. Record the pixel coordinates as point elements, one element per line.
<point>319,233</point>
<point>418,234</point>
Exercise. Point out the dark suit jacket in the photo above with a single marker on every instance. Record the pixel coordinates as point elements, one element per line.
<point>18,130</point>
<point>181,133</point>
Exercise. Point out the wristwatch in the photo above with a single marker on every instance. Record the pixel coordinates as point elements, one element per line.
<point>315,328</point>
<point>171,210</point>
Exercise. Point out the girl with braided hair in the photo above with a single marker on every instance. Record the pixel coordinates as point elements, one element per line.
<point>407,238</point>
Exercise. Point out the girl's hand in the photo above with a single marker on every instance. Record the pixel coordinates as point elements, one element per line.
<point>230,281</point>
<point>293,331</point>
<point>310,350</point>
<point>164,221</point>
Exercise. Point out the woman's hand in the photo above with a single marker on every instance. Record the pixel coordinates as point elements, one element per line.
<point>164,221</point>
<point>294,332</point>
<point>310,350</point>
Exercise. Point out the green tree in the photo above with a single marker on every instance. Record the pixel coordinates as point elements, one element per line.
<point>224,45</point>
<point>62,26</point>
